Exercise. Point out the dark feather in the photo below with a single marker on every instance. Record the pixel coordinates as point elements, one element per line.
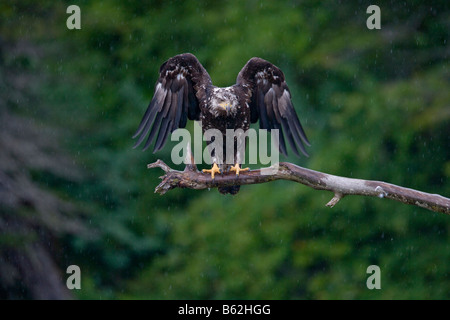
<point>271,103</point>
<point>162,135</point>
<point>184,112</point>
<point>178,110</point>
<point>193,104</point>
<point>181,80</point>
<point>155,106</point>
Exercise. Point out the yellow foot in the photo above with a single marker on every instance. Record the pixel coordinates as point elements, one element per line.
<point>238,169</point>
<point>215,169</point>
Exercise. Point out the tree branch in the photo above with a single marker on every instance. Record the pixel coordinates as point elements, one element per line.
<point>340,186</point>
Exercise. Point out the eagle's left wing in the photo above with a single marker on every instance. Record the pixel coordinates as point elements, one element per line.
<point>271,103</point>
<point>182,81</point>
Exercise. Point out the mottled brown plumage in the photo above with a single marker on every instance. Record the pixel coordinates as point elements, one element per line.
<point>184,91</point>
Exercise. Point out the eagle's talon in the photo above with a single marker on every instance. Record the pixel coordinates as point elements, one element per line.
<point>215,169</point>
<point>238,169</point>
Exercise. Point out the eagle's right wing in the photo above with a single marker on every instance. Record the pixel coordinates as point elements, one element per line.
<point>182,80</point>
<point>271,103</point>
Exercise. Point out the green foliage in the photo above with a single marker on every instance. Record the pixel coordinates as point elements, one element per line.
<point>375,105</point>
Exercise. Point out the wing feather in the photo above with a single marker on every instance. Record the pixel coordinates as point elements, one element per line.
<point>264,119</point>
<point>184,113</point>
<point>182,79</point>
<point>162,134</point>
<point>284,123</point>
<point>157,123</point>
<point>178,109</point>
<point>271,103</point>
<point>154,106</point>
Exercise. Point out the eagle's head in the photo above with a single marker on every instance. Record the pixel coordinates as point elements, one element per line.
<point>223,102</point>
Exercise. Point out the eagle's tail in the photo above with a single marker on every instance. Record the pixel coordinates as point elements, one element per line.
<point>231,190</point>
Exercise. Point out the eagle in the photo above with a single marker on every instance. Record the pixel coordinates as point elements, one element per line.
<point>184,90</point>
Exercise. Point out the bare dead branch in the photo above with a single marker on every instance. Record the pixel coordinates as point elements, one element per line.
<point>341,186</point>
<point>337,196</point>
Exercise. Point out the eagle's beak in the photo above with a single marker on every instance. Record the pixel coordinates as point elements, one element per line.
<point>225,106</point>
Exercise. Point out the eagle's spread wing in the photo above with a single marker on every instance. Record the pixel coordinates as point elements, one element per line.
<point>182,81</point>
<point>271,103</point>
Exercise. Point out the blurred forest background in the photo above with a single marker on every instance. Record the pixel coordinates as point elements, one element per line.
<point>375,104</point>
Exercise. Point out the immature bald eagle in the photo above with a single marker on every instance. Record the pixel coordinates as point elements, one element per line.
<point>184,91</point>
